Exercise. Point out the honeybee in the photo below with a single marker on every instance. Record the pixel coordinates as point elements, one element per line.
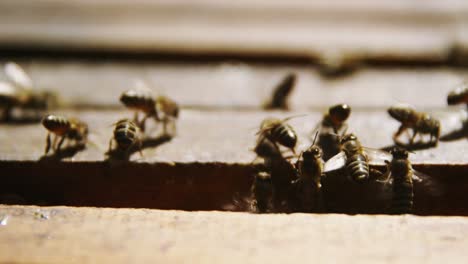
<point>262,192</point>
<point>64,128</point>
<point>278,132</point>
<point>333,124</point>
<point>307,188</point>
<point>18,93</point>
<point>356,158</point>
<point>399,170</point>
<point>459,95</point>
<point>420,123</point>
<point>167,113</point>
<point>281,93</point>
<point>126,135</point>
<point>140,99</point>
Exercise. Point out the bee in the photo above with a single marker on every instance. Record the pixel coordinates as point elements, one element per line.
<point>126,135</point>
<point>332,125</point>
<point>18,93</point>
<point>167,112</point>
<point>401,173</point>
<point>64,128</point>
<point>140,99</point>
<point>282,92</point>
<point>307,189</point>
<point>262,192</point>
<point>459,95</point>
<point>278,132</point>
<point>420,123</point>
<point>356,158</point>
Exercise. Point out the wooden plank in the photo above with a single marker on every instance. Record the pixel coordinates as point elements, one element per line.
<point>225,136</point>
<point>410,31</point>
<point>241,85</point>
<point>90,235</point>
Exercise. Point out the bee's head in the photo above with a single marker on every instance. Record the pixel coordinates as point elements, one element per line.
<point>400,112</point>
<point>348,137</point>
<point>339,113</point>
<point>399,153</point>
<point>314,152</point>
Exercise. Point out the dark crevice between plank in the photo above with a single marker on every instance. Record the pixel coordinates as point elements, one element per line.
<point>456,57</point>
<point>206,186</point>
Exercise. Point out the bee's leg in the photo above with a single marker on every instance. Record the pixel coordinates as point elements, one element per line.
<point>142,123</point>
<point>173,127</point>
<point>60,143</point>
<point>110,145</point>
<point>382,177</point>
<point>415,133</point>
<point>140,147</point>
<point>401,129</point>
<point>54,143</point>
<point>165,127</point>
<point>135,117</point>
<point>47,148</point>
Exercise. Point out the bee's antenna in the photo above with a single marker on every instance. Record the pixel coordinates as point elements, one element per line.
<point>295,116</point>
<point>315,138</point>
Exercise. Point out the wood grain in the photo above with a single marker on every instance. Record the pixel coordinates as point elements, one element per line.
<point>237,85</point>
<point>388,30</point>
<point>90,235</point>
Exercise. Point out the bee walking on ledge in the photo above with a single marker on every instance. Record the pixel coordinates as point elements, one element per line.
<point>459,95</point>
<point>126,135</point>
<point>18,93</point>
<point>262,192</point>
<point>306,191</point>
<point>278,132</point>
<point>64,128</point>
<point>420,123</point>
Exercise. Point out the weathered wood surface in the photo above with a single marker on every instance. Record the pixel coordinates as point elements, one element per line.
<point>241,85</point>
<point>388,30</point>
<point>90,235</point>
<point>224,136</point>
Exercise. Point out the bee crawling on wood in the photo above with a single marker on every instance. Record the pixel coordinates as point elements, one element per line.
<point>401,173</point>
<point>262,192</point>
<point>281,93</point>
<point>64,128</point>
<point>356,158</point>
<point>167,113</point>
<point>333,124</point>
<point>420,123</point>
<point>19,93</point>
<point>161,109</point>
<point>140,99</point>
<point>126,135</point>
<point>278,132</point>
<point>459,95</point>
<point>306,190</point>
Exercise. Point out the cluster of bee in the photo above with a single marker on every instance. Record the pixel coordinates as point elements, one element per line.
<point>17,93</point>
<point>281,185</point>
<point>127,133</point>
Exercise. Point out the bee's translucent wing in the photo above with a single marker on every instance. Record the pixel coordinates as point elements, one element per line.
<point>430,185</point>
<point>336,162</point>
<point>7,89</point>
<point>377,157</point>
<point>17,75</point>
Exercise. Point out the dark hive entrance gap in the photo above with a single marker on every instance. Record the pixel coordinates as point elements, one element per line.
<point>207,186</point>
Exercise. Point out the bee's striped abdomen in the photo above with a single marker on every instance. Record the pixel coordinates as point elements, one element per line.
<point>125,133</point>
<point>358,167</point>
<point>285,135</point>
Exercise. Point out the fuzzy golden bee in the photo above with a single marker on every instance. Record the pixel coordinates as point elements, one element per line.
<point>401,173</point>
<point>140,99</point>
<point>420,123</point>
<point>126,135</point>
<point>19,93</point>
<point>459,95</point>
<point>281,93</point>
<point>64,128</point>
<point>278,132</point>
<point>306,189</point>
<point>332,125</point>
<point>262,192</point>
<point>356,158</point>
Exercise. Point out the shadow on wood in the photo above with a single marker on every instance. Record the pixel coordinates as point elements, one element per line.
<point>63,153</point>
